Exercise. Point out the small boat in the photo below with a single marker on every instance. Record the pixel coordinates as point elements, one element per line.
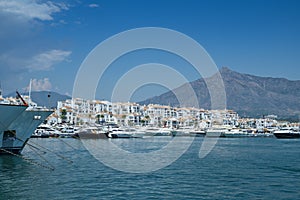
<point>92,132</point>
<point>183,131</point>
<point>125,133</point>
<point>156,131</point>
<point>45,131</point>
<point>215,132</point>
<point>198,132</point>
<point>287,134</point>
<point>236,133</point>
<point>66,131</point>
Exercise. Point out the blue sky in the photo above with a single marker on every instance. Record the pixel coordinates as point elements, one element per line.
<point>48,40</point>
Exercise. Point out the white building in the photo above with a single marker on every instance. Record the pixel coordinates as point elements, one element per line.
<point>79,111</point>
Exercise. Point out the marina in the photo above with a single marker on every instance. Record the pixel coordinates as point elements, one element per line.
<point>46,131</point>
<point>149,100</point>
<point>130,120</point>
<point>27,121</point>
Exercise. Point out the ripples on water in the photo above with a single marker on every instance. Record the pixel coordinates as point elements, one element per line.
<point>252,168</point>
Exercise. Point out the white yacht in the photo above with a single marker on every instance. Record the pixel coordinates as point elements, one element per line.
<point>17,124</point>
<point>215,132</point>
<point>125,133</point>
<point>156,131</point>
<point>238,133</point>
<point>44,131</point>
<point>287,133</point>
<point>183,131</point>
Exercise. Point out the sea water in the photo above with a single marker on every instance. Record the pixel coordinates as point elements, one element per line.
<point>236,168</point>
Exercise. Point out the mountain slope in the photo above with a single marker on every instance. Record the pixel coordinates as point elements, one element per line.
<point>42,99</point>
<point>247,94</point>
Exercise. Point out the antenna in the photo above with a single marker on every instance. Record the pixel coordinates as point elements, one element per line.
<point>0,90</point>
<point>49,95</point>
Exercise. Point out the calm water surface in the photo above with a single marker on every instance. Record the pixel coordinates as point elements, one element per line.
<point>251,168</point>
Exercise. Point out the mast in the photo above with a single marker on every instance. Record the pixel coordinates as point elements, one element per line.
<point>49,95</point>
<point>29,92</point>
<point>0,90</point>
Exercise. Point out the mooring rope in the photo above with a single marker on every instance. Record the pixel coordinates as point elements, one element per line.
<point>30,161</point>
<point>62,157</point>
<point>34,147</point>
<point>30,145</point>
<point>70,161</point>
<point>41,156</point>
<point>66,143</point>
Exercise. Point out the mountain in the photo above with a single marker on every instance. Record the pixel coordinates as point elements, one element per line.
<point>249,95</point>
<point>42,99</point>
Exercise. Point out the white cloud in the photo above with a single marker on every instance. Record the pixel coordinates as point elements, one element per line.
<point>17,63</point>
<point>93,5</point>
<point>40,85</point>
<point>31,9</point>
<point>45,60</point>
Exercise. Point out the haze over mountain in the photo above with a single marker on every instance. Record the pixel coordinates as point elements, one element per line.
<point>249,95</point>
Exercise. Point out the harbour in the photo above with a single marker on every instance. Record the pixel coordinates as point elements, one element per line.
<point>171,100</point>
<point>106,160</point>
<point>55,159</point>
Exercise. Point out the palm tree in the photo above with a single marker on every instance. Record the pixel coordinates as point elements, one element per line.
<point>63,115</point>
<point>102,118</point>
<point>98,118</point>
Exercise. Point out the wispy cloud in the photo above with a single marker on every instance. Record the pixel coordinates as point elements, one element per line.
<point>18,20</point>
<point>93,5</point>
<point>40,62</point>
<point>31,9</point>
<point>23,20</point>
<point>45,60</point>
<point>41,84</point>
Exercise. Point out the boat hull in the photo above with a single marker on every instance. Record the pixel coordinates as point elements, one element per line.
<point>287,135</point>
<point>15,137</point>
<point>91,136</point>
<point>8,113</point>
<point>9,151</point>
<point>215,133</point>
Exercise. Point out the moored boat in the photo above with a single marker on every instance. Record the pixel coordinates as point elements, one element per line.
<point>92,132</point>
<point>236,133</point>
<point>287,134</point>
<point>45,131</point>
<point>24,126</point>
<point>125,133</point>
<point>156,131</point>
<point>215,132</point>
<point>18,120</point>
<point>198,132</point>
<point>8,114</point>
<point>182,131</point>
